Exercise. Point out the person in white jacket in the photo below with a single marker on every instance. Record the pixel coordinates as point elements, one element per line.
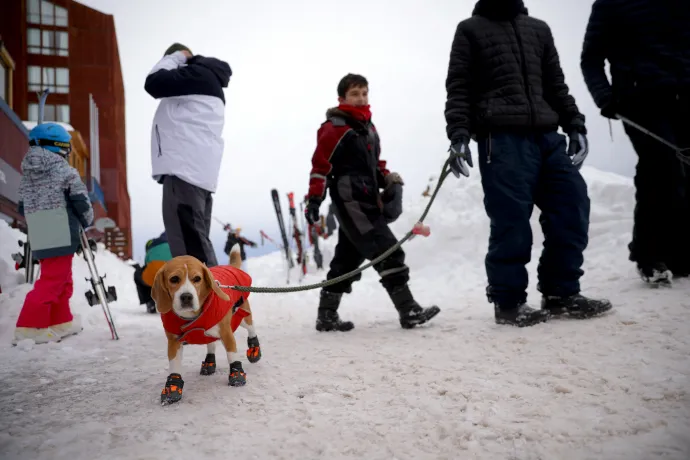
<point>187,145</point>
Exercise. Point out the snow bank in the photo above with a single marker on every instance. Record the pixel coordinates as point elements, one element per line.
<point>610,388</point>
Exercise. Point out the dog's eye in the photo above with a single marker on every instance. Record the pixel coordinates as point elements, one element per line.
<point>175,279</point>
<point>197,279</point>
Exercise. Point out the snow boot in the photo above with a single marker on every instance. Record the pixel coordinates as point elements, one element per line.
<point>43,335</point>
<point>655,275</point>
<point>73,327</point>
<point>521,315</point>
<point>410,312</point>
<point>328,318</point>
<point>575,306</point>
<point>151,307</point>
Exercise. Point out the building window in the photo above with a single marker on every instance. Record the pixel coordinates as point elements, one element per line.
<point>44,12</point>
<point>55,79</point>
<point>58,113</point>
<point>48,42</point>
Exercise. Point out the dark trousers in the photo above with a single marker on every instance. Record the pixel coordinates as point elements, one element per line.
<point>187,219</point>
<point>661,231</point>
<point>363,234</point>
<point>518,172</point>
<point>143,291</point>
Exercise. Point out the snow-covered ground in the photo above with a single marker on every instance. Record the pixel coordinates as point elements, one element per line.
<point>461,387</point>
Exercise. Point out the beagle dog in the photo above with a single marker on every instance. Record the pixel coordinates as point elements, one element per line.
<point>195,310</point>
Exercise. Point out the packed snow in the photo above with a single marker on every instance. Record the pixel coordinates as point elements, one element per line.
<point>614,387</point>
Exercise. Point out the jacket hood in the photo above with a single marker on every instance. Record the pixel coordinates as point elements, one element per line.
<point>499,10</point>
<point>39,160</point>
<point>220,69</point>
<point>336,112</point>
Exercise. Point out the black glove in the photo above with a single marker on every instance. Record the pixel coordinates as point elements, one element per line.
<point>610,109</point>
<point>311,213</point>
<point>578,148</point>
<point>460,156</point>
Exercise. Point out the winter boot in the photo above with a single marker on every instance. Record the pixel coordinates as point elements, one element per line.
<point>43,335</point>
<point>575,306</point>
<point>411,314</point>
<point>151,307</point>
<point>328,318</point>
<point>521,315</point>
<point>655,275</point>
<point>73,327</point>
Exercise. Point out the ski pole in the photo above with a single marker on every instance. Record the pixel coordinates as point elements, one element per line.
<point>670,145</point>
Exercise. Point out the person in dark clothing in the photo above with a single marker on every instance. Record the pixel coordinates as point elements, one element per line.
<point>235,238</point>
<point>331,224</point>
<point>647,44</point>
<point>506,90</point>
<point>347,161</point>
<point>157,254</point>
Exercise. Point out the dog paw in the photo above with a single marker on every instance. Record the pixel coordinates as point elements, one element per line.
<point>237,377</point>
<point>208,366</point>
<point>172,392</point>
<point>254,350</point>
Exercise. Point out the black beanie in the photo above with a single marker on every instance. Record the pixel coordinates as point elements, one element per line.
<point>176,47</point>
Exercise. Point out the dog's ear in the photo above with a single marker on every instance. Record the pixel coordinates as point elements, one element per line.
<point>160,293</point>
<point>211,282</point>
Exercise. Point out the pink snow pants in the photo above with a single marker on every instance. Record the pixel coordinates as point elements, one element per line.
<point>48,303</point>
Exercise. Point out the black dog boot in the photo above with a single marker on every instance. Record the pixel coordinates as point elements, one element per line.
<point>328,318</point>
<point>253,350</point>
<point>172,392</point>
<point>208,367</point>
<point>410,312</point>
<point>575,306</point>
<point>237,377</point>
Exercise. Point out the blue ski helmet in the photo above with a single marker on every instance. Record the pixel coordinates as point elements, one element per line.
<point>51,136</point>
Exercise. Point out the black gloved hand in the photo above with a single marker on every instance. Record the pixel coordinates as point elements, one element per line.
<point>610,109</point>
<point>311,212</point>
<point>578,148</point>
<point>461,156</point>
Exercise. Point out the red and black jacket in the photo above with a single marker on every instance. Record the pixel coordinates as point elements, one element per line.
<point>347,145</point>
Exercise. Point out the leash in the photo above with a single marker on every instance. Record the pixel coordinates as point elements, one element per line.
<point>416,230</point>
<point>679,151</point>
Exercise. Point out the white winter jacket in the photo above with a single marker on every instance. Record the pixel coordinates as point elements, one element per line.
<point>186,136</point>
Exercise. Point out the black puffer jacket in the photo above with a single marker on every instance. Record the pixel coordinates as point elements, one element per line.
<point>647,43</point>
<point>505,73</point>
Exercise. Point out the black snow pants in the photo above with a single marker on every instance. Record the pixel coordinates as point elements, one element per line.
<point>363,234</point>
<point>661,231</point>
<point>143,291</point>
<point>187,219</point>
<point>519,171</point>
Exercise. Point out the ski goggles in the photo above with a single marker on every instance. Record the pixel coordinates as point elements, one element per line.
<point>65,148</point>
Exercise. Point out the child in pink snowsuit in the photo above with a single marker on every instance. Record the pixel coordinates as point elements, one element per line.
<point>55,203</point>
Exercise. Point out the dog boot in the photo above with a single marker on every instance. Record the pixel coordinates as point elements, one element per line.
<point>172,392</point>
<point>237,377</point>
<point>521,315</point>
<point>575,306</point>
<point>208,367</point>
<point>410,312</point>
<point>328,318</point>
<point>253,350</point>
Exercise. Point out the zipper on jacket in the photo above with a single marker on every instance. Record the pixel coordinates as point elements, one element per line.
<point>158,138</point>
<point>488,150</point>
<point>523,62</point>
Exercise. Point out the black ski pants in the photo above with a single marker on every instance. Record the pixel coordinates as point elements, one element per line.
<point>661,231</point>
<point>187,219</point>
<point>363,234</point>
<point>518,172</point>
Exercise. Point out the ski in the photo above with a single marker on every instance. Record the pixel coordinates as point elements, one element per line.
<point>297,234</point>
<point>99,294</point>
<point>281,224</point>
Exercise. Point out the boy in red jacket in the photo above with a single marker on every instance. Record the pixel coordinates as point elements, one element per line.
<point>347,161</point>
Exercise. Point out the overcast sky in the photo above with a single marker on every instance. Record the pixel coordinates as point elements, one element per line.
<point>286,64</point>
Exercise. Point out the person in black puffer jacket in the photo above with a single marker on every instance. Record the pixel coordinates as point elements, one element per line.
<point>507,91</point>
<point>647,44</point>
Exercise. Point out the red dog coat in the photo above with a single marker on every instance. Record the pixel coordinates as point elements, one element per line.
<point>194,332</point>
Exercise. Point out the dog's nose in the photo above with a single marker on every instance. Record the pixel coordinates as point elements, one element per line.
<point>186,298</point>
